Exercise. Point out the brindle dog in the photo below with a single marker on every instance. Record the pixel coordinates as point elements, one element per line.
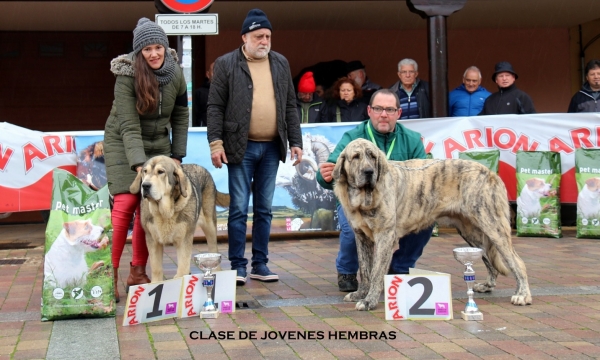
<point>385,200</point>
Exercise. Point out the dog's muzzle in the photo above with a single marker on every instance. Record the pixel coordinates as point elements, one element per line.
<point>368,176</point>
<point>146,189</point>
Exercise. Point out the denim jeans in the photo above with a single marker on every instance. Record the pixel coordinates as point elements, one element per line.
<point>411,248</point>
<point>259,170</point>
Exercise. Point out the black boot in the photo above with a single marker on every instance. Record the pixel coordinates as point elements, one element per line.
<point>347,282</point>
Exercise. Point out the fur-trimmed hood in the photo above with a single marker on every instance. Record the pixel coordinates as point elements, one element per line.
<point>123,64</point>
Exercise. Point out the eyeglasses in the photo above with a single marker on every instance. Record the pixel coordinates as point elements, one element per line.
<point>407,72</point>
<point>379,110</point>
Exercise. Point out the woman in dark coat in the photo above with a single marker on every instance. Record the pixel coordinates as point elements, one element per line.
<point>345,105</point>
<point>150,103</point>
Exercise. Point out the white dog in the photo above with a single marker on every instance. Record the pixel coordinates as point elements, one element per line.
<point>65,261</point>
<point>588,201</point>
<point>528,202</point>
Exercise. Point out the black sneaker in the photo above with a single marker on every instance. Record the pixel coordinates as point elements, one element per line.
<point>240,279</point>
<point>262,273</point>
<point>347,282</point>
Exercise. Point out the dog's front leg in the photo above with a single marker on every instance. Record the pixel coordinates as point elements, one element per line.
<point>364,248</point>
<point>384,245</point>
<point>184,256</point>
<point>155,252</point>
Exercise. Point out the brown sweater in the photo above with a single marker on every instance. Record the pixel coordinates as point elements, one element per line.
<point>263,118</point>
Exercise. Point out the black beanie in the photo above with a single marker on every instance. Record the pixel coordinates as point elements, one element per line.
<point>146,33</point>
<point>255,20</point>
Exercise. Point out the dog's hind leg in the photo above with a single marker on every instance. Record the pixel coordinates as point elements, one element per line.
<point>475,238</point>
<point>365,248</point>
<point>512,260</point>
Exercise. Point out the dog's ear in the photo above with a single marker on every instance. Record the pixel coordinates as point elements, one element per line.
<point>530,182</point>
<point>183,185</point>
<point>137,183</point>
<point>380,162</point>
<point>338,171</point>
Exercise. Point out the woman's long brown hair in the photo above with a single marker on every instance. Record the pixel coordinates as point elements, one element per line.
<point>146,86</point>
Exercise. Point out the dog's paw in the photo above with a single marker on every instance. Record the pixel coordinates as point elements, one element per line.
<point>482,288</point>
<point>352,297</point>
<point>521,300</point>
<point>364,305</point>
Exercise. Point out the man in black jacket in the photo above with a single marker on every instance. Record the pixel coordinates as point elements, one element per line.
<point>412,91</point>
<point>251,116</point>
<point>508,99</point>
<point>586,99</point>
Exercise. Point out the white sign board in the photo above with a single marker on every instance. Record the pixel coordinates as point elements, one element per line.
<point>193,294</point>
<point>182,297</point>
<point>422,295</point>
<point>188,24</point>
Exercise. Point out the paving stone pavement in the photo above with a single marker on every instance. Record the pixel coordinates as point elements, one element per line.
<point>563,322</point>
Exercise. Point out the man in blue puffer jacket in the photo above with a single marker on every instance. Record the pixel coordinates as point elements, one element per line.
<point>468,99</point>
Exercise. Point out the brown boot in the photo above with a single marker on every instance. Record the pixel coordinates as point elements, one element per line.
<point>116,284</point>
<point>137,275</point>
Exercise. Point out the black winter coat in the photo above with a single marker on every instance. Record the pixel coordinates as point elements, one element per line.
<point>510,100</point>
<point>230,104</point>
<point>584,101</point>
<point>356,110</point>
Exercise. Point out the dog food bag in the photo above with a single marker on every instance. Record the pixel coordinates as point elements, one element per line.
<point>489,159</point>
<point>538,194</point>
<point>587,175</point>
<point>436,228</point>
<point>78,273</point>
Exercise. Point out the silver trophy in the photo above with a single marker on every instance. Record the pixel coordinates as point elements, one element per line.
<point>208,262</point>
<point>468,256</point>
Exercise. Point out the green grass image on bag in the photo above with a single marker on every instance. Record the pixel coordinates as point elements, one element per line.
<point>78,273</point>
<point>587,176</point>
<point>538,194</point>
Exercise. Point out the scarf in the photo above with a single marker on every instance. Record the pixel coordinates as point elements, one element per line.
<point>166,73</point>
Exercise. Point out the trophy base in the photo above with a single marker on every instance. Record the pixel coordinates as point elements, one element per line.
<point>478,316</point>
<point>209,314</point>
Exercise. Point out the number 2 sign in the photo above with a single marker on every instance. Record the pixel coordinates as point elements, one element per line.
<point>422,295</point>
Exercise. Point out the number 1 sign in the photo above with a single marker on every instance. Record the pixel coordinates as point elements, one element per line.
<point>422,295</point>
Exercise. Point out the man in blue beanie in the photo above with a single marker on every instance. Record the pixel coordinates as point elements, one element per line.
<point>250,123</point>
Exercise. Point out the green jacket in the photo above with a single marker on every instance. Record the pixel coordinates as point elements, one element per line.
<point>408,145</point>
<point>129,138</point>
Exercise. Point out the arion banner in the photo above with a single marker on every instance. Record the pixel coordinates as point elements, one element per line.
<point>300,204</point>
<point>27,159</point>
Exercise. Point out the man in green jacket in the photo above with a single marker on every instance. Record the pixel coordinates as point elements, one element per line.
<point>398,143</point>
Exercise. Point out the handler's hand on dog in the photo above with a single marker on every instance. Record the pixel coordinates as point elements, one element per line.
<point>218,159</point>
<point>298,153</point>
<point>326,170</point>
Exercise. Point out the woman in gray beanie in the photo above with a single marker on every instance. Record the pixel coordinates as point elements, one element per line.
<point>150,103</point>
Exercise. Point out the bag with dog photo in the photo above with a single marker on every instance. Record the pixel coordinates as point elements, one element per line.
<point>587,175</point>
<point>538,189</point>
<point>489,159</point>
<point>78,274</point>
<point>436,227</point>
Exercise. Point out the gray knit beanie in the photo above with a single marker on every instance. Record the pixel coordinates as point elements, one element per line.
<point>147,33</point>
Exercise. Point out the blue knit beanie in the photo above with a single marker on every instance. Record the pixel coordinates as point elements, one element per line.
<point>255,20</point>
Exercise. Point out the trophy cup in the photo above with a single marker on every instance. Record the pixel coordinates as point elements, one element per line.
<point>467,256</point>
<point>208,262</point>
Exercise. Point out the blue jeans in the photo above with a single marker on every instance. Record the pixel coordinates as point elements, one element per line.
<point>411,248</point>
<point>259,170</point>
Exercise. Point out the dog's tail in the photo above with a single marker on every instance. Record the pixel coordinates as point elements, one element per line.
<point>222,200</point>
<point>496,260</point>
